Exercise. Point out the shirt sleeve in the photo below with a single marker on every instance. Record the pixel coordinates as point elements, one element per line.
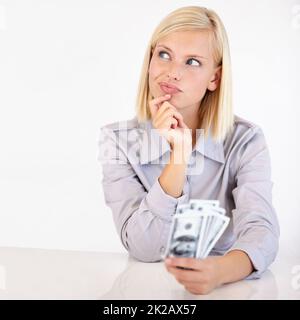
<point>255,222</point>
<point>142,218</point>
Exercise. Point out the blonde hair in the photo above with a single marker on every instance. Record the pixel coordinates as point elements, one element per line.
<point>215,112</point>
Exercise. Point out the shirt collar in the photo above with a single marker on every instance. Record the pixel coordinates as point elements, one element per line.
<point>154,146</point>
<point>210,148</point>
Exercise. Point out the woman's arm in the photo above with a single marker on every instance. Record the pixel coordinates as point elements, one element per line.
<point>235,265</point>
<point>254,223</point>
<point>254,219</point>
<point>142,216</point>
<point>173,175</point>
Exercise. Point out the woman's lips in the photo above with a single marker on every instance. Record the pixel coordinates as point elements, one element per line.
<point>168,90</point>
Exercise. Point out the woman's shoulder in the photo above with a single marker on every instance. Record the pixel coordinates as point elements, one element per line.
<point>242,123</point>
<point>128,124</point>
<point>118,136</point>
<point>123,135</point>
<point>245,128</point>
<point>244,134</point>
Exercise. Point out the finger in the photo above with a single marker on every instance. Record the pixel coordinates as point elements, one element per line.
<point>167,114</point>
<point>169,110</point>
<point>169,123</point>
<point>181,123</point>
<point>155,103</point>
<point>192,263</point>
<point>188,277</point>
<point>164,107</point>
<point>179,117</point>
<point>167,107</point>
<point>176,114</point>
<point>194,289</point>
<point>185,276</point>
<point>198,288</point>
<point>173,123</point>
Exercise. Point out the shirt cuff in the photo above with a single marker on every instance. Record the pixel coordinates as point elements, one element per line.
<point>254,255</point>
<point>162,204</point>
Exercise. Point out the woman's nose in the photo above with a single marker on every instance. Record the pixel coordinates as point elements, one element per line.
<point>175,72</point>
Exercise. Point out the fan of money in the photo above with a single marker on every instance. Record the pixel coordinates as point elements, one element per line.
<point>195,229</point>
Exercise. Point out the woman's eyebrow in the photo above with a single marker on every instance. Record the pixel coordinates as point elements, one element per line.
<point>190,55</point>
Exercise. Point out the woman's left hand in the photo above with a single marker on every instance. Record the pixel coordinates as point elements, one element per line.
<point>204,276</point>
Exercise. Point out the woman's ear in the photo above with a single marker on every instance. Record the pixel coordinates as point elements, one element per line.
<point>214,82</point>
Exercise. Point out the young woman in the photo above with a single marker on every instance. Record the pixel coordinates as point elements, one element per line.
<point>185,89</point>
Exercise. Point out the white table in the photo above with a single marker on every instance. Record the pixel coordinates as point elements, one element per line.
<point>56,274</point>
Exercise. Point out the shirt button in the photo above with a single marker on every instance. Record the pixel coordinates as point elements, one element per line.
<point>162,249</point>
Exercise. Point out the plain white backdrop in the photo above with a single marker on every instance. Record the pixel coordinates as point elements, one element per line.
<point>68,67</point>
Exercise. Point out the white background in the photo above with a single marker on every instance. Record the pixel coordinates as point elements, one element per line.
<point>69,67</point>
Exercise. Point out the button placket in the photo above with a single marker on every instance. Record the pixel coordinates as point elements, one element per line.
<point>186,187</point>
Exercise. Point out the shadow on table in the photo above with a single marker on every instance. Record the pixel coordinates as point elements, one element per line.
<point>152,281</point>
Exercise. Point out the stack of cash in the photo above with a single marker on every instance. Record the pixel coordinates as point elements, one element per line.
<point>195,229</point>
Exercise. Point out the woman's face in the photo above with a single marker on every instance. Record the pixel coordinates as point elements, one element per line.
<point>187,63</point>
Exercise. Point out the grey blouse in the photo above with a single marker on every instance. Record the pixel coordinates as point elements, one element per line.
<point>236,171</point>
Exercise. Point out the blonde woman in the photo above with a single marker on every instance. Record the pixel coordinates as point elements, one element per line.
<point>185,90</point>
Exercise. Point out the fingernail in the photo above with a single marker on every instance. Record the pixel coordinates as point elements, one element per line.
<point>167,95</point>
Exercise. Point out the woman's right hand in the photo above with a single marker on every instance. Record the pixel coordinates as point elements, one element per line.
<point>169,122</point>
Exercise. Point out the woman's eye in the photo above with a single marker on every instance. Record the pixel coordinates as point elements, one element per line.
<point>164,52</point>
<point>198,63</point>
